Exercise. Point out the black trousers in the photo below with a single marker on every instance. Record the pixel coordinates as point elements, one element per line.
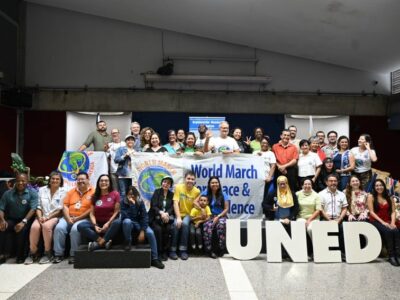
<point>391,238</point>
<point>291,174</point>
<point>162,233</point>
<point>9,238</point>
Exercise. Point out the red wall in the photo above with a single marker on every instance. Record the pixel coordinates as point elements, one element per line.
<point>385,141</point>
<point>8,129</point>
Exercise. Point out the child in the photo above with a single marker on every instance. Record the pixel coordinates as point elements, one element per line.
<point>199,216</point>
<point>134,218</point>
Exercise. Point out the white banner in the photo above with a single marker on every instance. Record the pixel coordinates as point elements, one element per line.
<point>242,177</point>
<point>73,162</point>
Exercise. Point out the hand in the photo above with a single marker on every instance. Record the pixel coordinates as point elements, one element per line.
<point>392,226</point>
<point>19,227</point>
<point>106,147</point>
<point>215,220</point>
<point>308,223</point>
<point>351,218</point>
<point>97,228</point>
<point>248,140</point>
<point>3,226</point>
<point>105,227</point>
<point>141,237</point>
<point>338,220</point>
<point>178,223</point>
<point>339,171</point>
<point>285,221</point>
<point>268,178</point>
<point>274,208</point>
<point>313,179</point>
<point>367,146</point>
<point>362,217</point>
<point>70,220</point>
<point>386,225</point>
<point>196,225</point>
<point>209,134</point>
<point>42,220</point>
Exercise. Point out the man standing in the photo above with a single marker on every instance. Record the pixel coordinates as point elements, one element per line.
<point>185,197</point>
<point>334,205</point>
<point>202,128</point>
<point>293,133</point>
<point>17,207</point>
<point>135,131</point>
<point>77,205</point>
<point>286,159</point>
<point>222,144</point>
<point>321,139</point>
<point>99,138</point>
<point>112,149</point>
<point>331,148</point>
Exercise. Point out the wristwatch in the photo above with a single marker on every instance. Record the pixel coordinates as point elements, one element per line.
<point>25,221</point>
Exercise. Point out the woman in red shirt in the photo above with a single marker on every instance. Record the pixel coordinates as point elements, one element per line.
<point>382,216</point>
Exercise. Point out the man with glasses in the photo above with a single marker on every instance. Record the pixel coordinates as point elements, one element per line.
<point>77,205</point>
<point>135,131</point>
<point>331,148</point>
<point>321,139</point>
<point>99,138</point>
<point>223,143</point>
<point>112,149</point>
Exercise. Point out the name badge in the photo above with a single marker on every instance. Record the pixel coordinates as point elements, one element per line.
<point>78,205</point>
<point>24,202</point>
<point>99,203</point>
<point>109,199</point>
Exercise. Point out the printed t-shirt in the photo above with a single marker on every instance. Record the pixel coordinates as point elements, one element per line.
<point>185,198</point>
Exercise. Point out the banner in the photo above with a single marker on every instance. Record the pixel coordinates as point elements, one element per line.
<point>72,162</point>
<point>242,177</point>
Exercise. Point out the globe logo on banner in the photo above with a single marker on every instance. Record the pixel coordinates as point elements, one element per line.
<point>72,163</point>
<point>150,179</point>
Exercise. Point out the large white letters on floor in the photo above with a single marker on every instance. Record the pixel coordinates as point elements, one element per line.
<point>296,243</point>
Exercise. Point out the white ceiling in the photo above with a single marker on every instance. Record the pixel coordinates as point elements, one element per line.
<point>360,34</point>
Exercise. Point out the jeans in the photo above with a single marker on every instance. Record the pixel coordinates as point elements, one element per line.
<point>184,234</point>
<point>196,236</point>
<point>87,230</point>
<point>128,226</point>
<point>21,239</point>
<point>123,184</point>
<point>60,233</point>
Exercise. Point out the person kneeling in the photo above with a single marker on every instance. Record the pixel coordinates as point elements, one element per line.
<point>134,218</point>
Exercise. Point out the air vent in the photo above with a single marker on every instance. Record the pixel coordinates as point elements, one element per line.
<point>395,82</point>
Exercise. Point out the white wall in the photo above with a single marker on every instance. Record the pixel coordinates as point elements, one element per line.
<point>80,125</point>
<point>69,49</point>
<point>340,124</point>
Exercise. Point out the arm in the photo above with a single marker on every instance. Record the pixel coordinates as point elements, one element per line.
<point>87,143</point>
<point>196,202</point>
<point>177,214</point>
<point>393,214</point>
<point>83,216</point>
<point>66,215</point>
<point>3,223</point>
<point>313,217</point>
<point>154,203</point>
<point>21,224</point>
<point>271,172</point>
<point>207,146</point>
<point>370,201</point>
<point>352,163</point>
<point>317,171</point>
<point>342,215</point>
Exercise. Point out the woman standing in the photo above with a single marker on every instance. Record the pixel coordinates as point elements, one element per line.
<point>314,147</point>
<point>49,210</point>
<point>256,143</point>
<point>309,164</point>
<point>145,136</point>
<point>190,144</point>
<point>364,156</point>
<point>155,144</point>
<point>244,146</point>
<point>382,216</point>
<point>103,223</point>
<point>161,216</point>
<point>269,163</point>
<point>343,161</point>
<point>181,136</point>
<point>123,158</point>
<point>357,200</point>
<point>173,147</point>
<point>219,205</point>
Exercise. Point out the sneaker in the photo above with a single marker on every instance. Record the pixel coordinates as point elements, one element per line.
<point>213,255</point>
<point>184,255</point>
<point>57,259</point>
<point>28,260</point>
<point>46,258</point>
<point>157,263</point>
<point>108,245</point>
<point>93,246</point>
<point>173,256</point>
<point>392,260</point>
<point>164,256</point>
<point>71,260</point>
<point>20,261</point>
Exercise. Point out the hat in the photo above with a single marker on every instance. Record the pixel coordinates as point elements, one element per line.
<point>130,136</point>
<point>168,177</point>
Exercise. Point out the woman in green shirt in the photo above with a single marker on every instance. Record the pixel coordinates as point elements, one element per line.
<point>309,204</point>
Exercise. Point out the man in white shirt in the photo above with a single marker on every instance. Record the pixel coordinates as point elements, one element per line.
<point>222,144</point>
<point>135,131</point>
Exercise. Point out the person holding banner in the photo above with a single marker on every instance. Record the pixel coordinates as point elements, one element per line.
<point>190,144</point>
<point>123,158</point>
<point>161,216</point>
<point>173,147</point>
<point>269,163</point>
<point>99,138</point>
<point>185,197</point>
<point>181,135</point>
<point>216,226</point>
<point>255,144</point>
<point>244,145</point>
<point>155,144</point>
<point>223,143</point>
<point>383,216</point>
<point>145,136</point>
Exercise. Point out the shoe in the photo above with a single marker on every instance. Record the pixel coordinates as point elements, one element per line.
<point>108,245</point>
<point>20,261</point>
<point>343,257</point>
<point>57,259</point>
<point>128,246</point>
<point>183,255</point>
<point>46,258</point>
<point>393,261</point>
<point>213,255</point>
<point>93,246</point>
<point>157,263</point>
<point>164,256</point>
<point>29,260</point>
<point>173,256</point>
<point>71,260</point>
<point>3,259</point>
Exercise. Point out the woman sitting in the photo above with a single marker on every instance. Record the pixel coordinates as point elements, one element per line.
<point>161,216</point>
<point>357,200</point>
<point>216,226</point>
<point>327,168</point>
<point>382,216</point>
<point>309,204</point>
<point>104,224</point>
<point>135,220</point>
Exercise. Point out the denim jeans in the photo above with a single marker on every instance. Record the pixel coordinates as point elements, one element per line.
<point>123,184</point>
<point>87,230</point>
<point>60,233</point>
<point>128,226</point>
<point>184,235</point>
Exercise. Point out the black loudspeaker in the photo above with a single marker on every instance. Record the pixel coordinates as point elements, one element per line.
<point>394,122</point>
<point>16,98</point>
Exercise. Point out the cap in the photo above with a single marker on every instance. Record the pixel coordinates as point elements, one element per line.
<point>168,177</point>
<point>129,136</point>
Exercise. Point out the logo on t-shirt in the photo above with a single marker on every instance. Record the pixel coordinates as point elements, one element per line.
<point>109,199</point>
<point>99,203</point>
<point>24,202</point>
<point>223,148</point>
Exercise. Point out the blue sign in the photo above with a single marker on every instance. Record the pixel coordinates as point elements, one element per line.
<point>212,124</point>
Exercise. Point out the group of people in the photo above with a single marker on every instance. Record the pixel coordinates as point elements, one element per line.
<point>304,180</point>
